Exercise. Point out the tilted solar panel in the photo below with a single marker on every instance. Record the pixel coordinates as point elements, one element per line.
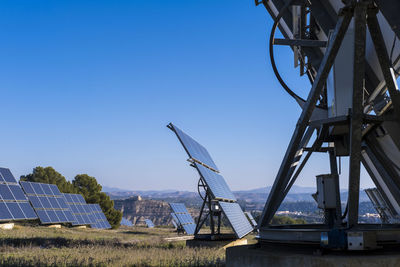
<point>149,223</point>
<point>251,218</point>
<point>48,202</point>
<point>13,203</point>
<point>193,148</point>
<point>82,213</point>
<point>219,189</point>
<point>236,218</point>
<point>100,220</point>
<point>183,217</point>
<point>216,183</point>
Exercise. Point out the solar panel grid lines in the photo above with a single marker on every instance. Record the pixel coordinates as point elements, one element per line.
<point>251,218</point>
<point>195,151</point>
<point>216,183</point>
<point>149,223</point>
<point>100,220</point>
<point>13,203</point>
<point>183,217</point>
<point>48,202</point>
<point>236,218</point>
<point>82,213</point>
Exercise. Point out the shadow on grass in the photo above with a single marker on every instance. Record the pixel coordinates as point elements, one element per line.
<point>138,233</point>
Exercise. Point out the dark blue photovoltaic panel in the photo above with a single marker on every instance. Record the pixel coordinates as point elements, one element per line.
<point>15,210</point>
<point>7,176</point>
<point>101,221</point>
<point>48,202</point>
<point>149,223</point>
<point>216,183</point>
<point>5,192</point>
<point>81,211</point>
<point>13,203</point>
<point>183,217</point>
<point>236,218</point>
<point>17,192</point>
<point>4,212</point>
<point>27,210</point>
<point>193,148</point>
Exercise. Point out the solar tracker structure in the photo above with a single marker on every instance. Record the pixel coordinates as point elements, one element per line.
<point>214,184</point>
<point>251,218</point>
<point>101,221</point>
<point>183,217</point>
<point>14,205</point>
<point>126,222</point>
<point>82,212</point>
<point>149,223</point>
<point>48,202</point>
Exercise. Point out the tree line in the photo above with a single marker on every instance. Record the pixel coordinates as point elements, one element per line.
<point>82,184</point>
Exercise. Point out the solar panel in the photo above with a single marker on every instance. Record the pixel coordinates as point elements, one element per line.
<point>13,203</point>
<point>236,218</point>
<point>126,222</point>
<point>183,217</point>
<point>218,188</point>
<point>80,210</point>
<point>193,148</point>
<point>251,218</point>
<point>216,183</point>
<point>100,220</point>
<point>149,223</point>
<point>48,202</point>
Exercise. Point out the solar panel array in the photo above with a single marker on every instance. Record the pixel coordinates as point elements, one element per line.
<point>184,218</point>
<point>126,222</point>
<point>13,203</point>
<point>149,223</point>
<point>215,182</point>
<point>193,148</point>
<point>99,217</point>
<point>48,202</point>
<point>251,218</point>
<point>82,212</point>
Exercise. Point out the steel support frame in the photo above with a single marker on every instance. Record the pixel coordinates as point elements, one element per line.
<point>356,116</point>
<point>384,61</point>
<point>207,201</point>
<point>309,106</point>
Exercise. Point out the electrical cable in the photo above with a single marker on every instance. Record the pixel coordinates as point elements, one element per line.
<point>271,53</point>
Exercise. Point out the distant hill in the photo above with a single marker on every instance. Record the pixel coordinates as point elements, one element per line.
<point>253,199</point>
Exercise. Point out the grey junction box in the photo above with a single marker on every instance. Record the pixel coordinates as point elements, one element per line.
<point>326,194</point>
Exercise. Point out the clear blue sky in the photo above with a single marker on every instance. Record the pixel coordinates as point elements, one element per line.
<point>88,87</point>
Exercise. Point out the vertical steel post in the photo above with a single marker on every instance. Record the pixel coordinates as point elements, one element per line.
<point>356,119</point>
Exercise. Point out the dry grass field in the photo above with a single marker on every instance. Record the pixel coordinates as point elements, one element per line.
<point>127,246</point>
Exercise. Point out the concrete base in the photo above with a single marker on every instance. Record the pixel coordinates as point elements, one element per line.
<point>215,243</point>
<point>81,227</point>
<point>58,226</point>
<point>7,226</point>
<point>179,238</point>
<point>286,255</point>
